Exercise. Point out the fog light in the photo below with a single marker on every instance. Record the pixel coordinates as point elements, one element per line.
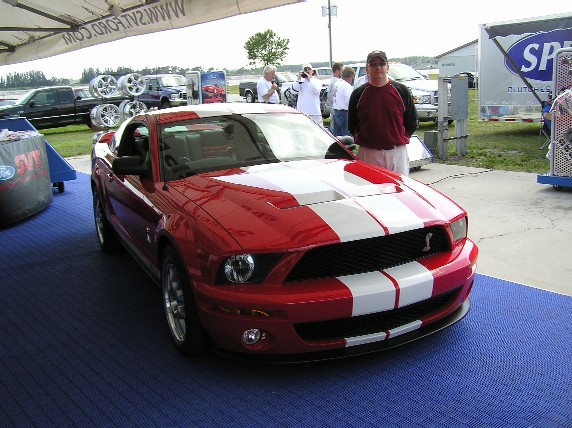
<point>250,337</point>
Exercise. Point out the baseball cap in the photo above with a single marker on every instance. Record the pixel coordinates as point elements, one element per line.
<point>376,54</point>
<point>307,66</point>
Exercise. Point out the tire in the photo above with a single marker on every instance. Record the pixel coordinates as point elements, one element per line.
<point>180,309</point>
<point>249,97</point>
<point>106,235</point>
<point>164,105</point>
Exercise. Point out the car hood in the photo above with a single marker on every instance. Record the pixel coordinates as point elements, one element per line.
<point>304,203</point>
<point>422,85</point>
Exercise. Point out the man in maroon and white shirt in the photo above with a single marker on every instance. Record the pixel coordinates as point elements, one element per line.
<point>382,117</point>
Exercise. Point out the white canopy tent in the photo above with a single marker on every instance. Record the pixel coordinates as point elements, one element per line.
<point>35,29</point>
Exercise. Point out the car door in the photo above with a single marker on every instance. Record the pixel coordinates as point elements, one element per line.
<point>132,197</point>
<point>66,107</point>
<point>42,109</point>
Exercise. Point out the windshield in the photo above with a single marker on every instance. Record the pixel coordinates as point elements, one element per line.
<point>223,142</point>
<point>174,80</point>
<point>401,72</point>
<point>282,77</point>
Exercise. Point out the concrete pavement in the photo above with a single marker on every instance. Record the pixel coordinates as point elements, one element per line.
<point>523,229</point>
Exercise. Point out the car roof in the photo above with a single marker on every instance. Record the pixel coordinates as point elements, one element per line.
<point>216,109</point>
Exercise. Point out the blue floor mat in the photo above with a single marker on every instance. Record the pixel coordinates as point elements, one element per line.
<point>83,342</point>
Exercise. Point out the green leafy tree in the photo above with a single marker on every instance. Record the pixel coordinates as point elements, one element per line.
<point>266,48</point>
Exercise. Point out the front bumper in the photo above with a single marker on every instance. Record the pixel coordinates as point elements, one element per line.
<point>427,112</point>
<point>297,321</point>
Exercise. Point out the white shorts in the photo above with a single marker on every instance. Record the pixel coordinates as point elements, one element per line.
<point>396,160</point>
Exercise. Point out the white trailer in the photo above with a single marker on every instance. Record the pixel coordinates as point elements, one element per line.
<point>515,66</point>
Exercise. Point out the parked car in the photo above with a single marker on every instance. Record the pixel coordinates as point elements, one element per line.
<point>424,91</point>
<point>270,240</point>
<point>471,78</point>
<point>323,73</point>
<point>54,107</point>
<point>164,91</point>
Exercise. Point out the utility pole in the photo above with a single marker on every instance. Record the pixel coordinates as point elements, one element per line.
<point>329,11</point>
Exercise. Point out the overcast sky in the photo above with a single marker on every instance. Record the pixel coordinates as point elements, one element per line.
<point>400,28</point>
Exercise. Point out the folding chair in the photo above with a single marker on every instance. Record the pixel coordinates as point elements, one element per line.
<point>543,136</point>
<point>544,133</point>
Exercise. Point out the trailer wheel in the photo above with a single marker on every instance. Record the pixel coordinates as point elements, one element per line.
<point>557,187</point>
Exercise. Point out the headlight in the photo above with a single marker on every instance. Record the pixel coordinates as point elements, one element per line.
<point>245,268</point>
<point>422,99</point>
<point>239,268</point>
<point>459,229</point>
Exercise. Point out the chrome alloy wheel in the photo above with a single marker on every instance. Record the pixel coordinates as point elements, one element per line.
<point>99,217</point>
<point>174,300</point>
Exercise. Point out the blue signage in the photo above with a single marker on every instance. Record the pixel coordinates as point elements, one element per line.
<point>534,54</point>
<point>6,172</point>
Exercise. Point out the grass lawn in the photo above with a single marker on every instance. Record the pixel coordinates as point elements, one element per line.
<point>494,145</point>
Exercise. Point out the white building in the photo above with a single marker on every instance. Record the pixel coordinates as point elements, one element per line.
<point>463,58</point>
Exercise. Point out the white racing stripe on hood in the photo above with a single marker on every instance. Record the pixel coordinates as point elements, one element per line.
<point>392,213</point>
<point>348,220</point>
<point>308,181</point>
<point>352,206</point>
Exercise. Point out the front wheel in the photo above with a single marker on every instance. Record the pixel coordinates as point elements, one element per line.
<point>106,235</point>
<point>165,104</point>
<point>180,308</point>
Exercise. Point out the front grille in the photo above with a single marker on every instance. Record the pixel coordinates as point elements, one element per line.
<point>368,255</point>
<point>434,98</point>
<point>183,95</point>
<point>371,323</point>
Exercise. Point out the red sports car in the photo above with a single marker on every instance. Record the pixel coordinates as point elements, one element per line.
<point>213,89</point>
<point>270,240</point>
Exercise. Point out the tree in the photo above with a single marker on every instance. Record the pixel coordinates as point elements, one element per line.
<point>266,48</point>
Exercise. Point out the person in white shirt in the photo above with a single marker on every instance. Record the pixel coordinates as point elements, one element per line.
<point>361,80</point>
<point>308,87</point>
<point>336,75</point>
<point>267,86</point>
<point>341,97</point>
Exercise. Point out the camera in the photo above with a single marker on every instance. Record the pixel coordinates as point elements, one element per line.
<point>304,74</point>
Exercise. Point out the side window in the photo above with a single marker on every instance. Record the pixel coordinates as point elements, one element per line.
<point>65,96</point>
<point>41,98</point>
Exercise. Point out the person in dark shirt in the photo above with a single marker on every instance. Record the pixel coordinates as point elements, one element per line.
<point>382,117</point>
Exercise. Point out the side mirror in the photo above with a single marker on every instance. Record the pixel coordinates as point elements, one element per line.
<point>130,165</point>
<point>32,103</point>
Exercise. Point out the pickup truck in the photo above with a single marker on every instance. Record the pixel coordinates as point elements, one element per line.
<point>164,91</point>
<point>424,91</point>
<point>53,107</point>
